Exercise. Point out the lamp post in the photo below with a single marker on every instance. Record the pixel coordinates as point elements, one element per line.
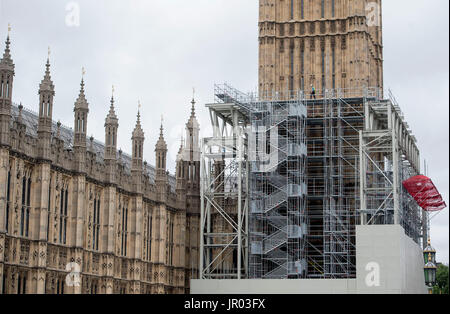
<point>430,267</point>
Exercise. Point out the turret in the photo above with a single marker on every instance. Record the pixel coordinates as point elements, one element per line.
<point>161,164</point>
<point>6,88</point>
<point>111,127</point>
<point>180,176</point>
<point>46,95</point>
<point>81,111</point>
<point>161,154</point>
<point>138,153</point>
<point>192,162</point>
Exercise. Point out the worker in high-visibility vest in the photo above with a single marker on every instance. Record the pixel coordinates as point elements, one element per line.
<point>313,92</point>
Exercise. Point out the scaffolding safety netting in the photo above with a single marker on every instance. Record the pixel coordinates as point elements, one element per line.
<point>423,190</point>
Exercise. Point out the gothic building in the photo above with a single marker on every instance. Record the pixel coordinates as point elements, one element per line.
<point>78,216</point>
<point>328,44</point>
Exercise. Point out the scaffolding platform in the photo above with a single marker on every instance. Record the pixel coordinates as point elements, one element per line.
<point>311,170</point>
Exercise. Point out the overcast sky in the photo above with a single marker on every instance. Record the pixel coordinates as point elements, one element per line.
<point>156,51</point>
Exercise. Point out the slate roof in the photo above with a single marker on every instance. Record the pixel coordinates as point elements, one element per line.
<point>31,120</point>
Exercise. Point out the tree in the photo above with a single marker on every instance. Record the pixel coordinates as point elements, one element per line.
<point>442,274</point>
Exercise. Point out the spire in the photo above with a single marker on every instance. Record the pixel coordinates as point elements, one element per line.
<point>161,144</point>
<point>193,103</point>
<point>193,108</point>
<point>161,133</point>
<point>91,141</point>
<point>19,118</point>
<point>81,101</point>
<point>138,146</point>
<point>7,54</point>
<point>138,132</point>
<point>180,151</point>
<point>192,132</point>
<point>111,126</point>
<point>6,63</point>
<point>192,123</point>
<point>161,162</point>
<point>47,83</point>
<point>81,111</point>
<point>58,129</point>
<point>112,118</point>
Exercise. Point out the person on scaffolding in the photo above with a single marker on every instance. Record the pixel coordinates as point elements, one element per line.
<point>313,92</point>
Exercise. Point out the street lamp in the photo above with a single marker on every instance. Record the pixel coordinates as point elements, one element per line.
<point>430,266</point>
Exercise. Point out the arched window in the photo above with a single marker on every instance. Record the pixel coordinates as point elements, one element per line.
<point>19,284</point>
<point>302,9</point>
<point>171,244</point>
<point>22,284</point>
<point>323,9</point>
<point>60,286</point>
<point>149,236</point>
<point>292,9</point>
<point>42,107</point>
<point>5,275</point>
<point>48,207</point>
<point>27,222</point>
<point>124,229</point>
<point>8,200</point>
<point>25,209</point>
<point>96,223</point>
<point>63,215</point>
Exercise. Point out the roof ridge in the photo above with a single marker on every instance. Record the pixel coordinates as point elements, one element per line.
<point>35,116</point>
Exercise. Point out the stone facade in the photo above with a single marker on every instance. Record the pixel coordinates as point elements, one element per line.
<point>73,208</point>
<point>328,44</point>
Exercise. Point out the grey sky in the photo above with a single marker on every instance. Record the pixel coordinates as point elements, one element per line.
<point>155,51</point>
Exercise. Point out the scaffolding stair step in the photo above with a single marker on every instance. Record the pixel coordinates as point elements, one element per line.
<point>279,272</point>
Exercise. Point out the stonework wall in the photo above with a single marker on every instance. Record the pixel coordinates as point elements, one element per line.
<point>118,248</point>
<point>328,44</point>
<point>72,207</point>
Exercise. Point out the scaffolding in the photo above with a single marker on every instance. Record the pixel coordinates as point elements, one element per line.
<point>224,191</point>
<point>278,187</point>
<point>314,169</point>
<point>332,176</point>
<point>388,156</point>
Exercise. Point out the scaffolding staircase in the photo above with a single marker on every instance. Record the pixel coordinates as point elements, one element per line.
<point>275,240</point>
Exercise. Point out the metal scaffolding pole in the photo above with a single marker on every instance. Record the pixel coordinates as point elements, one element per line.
<point>283,200</point>
<point>224,195</point>
<point>388,156</point>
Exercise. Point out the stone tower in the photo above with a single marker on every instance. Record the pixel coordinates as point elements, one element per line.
<point>161,165</point>
<point>189,160</point>
<point>111,127</point>
<point>328,44</point>
<point>138,139</point>
<point>46,95</point>
<point>192,161</point>
<point>81,111</point>
<point>6,87</point>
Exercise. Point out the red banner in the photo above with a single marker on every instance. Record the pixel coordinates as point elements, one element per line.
<point>422,189</point>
